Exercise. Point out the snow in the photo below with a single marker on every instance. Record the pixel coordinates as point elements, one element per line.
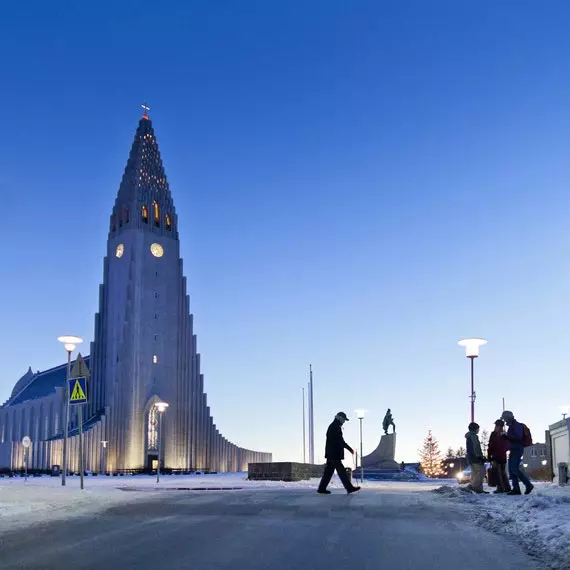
<point>540,522</point>
<point>38,499</point>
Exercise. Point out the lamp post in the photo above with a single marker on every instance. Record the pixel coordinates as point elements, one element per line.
<point>69,342</point>
<point>472,346</point>
<point>161,407</point>
<point>360,416</point>
<point>104,457</point>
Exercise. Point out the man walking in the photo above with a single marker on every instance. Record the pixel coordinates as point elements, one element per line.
<point>515,436</point>
<point>334,453</point>
<point>475,459</point>
<point>498,447</point>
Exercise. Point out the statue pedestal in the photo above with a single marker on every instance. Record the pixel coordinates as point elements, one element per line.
<point>383,456</point>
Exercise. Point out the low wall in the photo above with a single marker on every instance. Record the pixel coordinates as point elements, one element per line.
<point>283,471</point>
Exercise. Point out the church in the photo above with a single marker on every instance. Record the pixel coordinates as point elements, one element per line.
<point>144,352</point>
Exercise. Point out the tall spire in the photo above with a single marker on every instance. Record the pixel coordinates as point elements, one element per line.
<point>144,199</point>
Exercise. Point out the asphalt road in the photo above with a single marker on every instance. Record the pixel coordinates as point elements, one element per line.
<point>255,530</point>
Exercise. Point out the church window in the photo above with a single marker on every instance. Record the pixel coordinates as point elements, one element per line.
<point>168,222</point>
<point>156,213</point>
<point>145,214</point>
<point>154,359</point>
<point>153,428</point>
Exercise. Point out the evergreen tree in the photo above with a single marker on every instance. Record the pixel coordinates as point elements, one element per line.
<point>484,442</point>
<point>432,463</point>
<point>461,452</point>
<point>450,453</point>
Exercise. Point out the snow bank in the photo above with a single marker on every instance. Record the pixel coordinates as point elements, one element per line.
<point>540,522</point>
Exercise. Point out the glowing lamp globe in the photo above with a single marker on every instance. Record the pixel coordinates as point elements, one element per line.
<point>472,346</point>
<point>70,342</point>
<point>161,406</point>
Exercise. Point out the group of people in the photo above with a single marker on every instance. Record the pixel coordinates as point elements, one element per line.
<point>512,441</point>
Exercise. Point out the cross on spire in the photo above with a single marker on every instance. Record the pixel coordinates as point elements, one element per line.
<point>146,109</point>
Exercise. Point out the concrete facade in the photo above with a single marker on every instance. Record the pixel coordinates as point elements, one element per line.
<point>560,447</point>
<point>144,351</point>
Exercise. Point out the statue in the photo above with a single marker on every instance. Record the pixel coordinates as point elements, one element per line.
<point>388,421</point>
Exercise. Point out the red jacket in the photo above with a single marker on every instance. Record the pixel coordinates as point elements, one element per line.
<point>498,447</point>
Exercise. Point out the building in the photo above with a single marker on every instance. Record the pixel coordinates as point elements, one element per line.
<point>144,351</point>
<point>559,435</point>
<point>535,460</point>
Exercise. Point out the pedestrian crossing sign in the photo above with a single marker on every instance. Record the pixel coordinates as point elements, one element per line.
<point>77,390</point>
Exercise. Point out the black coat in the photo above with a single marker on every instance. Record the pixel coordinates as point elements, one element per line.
<point>335,442</point>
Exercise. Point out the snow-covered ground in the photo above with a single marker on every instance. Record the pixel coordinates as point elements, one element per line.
<point>43,498</point>
<point>540,522</point>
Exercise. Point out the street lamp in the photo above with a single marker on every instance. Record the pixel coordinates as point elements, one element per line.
<point>69,342</point>
<point>360,416</point>
<point>544,462</point>
<point>472,346</point>
<point>161,407</point>
<point>104,457</point>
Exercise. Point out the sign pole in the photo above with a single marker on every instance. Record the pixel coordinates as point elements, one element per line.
<point>81,469</point>
<point>77,390</point>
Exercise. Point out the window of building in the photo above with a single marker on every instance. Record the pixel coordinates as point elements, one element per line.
<point>533,451</point>
<point>113,223</point>
<point>168,222</point>
<point>154,359</point>
<point>153,428</point>
<point>156,316</point>
<point>543,452</point>
<point>155,337</point>
<point>145,214</point>
<point>120,218</point>
<point>156,213</point>
<point>126,215</point>
<point>155,295</point>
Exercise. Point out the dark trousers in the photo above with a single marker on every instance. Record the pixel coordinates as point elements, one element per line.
<point>502,478</point>
<point>331,465</point>
<point>515,471</point>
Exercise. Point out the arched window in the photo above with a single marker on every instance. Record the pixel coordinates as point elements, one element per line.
<point>126,215</point>
<point>152,430</point>
<point>168,222</point>
<point>145,214</point>
<point>156,213</point>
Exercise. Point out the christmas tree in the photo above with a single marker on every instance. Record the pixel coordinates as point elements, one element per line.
<point>484,442</point>
<point>432,463</point>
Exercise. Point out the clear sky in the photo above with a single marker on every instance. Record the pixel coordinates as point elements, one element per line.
<point>359,185</point>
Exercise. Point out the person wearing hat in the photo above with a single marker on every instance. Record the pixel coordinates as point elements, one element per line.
<point>334,453</point>
<point>515,436</point>
<point>498,447</point>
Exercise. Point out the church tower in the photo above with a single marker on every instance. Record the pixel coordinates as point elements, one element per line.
<point>145,348</point>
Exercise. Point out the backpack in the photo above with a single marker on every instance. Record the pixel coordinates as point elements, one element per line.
<point>527,436</point>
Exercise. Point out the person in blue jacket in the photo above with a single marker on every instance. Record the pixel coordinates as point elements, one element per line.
<point>515,435</point>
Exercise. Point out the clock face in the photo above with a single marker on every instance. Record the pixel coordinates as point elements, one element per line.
<point>120,250</point>
<point>156,250</point>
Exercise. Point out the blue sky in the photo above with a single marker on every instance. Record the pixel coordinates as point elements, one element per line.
<point>359,185</point>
